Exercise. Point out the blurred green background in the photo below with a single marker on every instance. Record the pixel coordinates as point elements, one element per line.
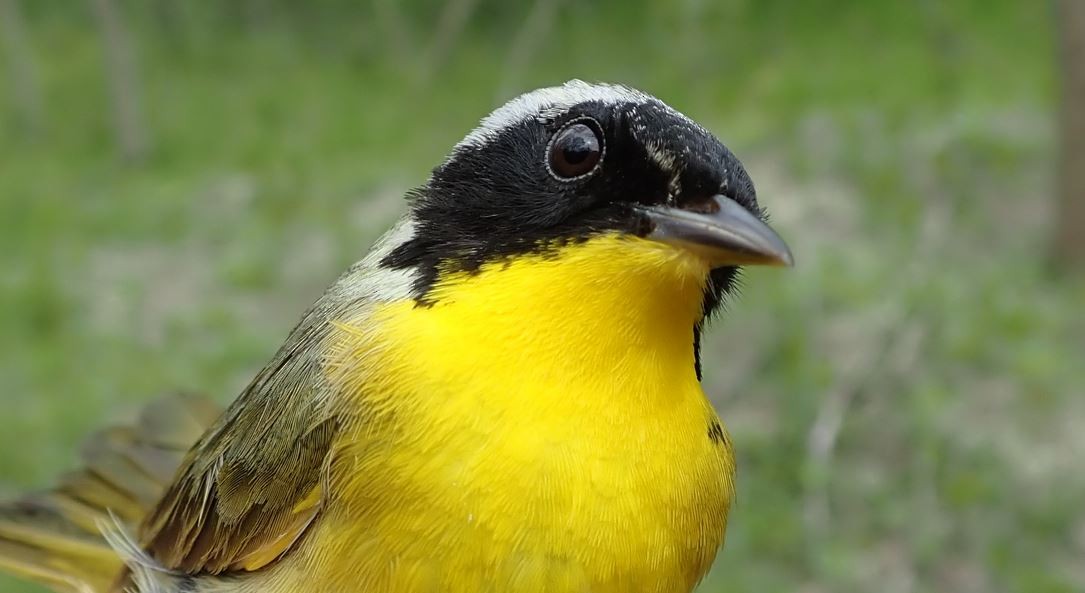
<point>179,179</point>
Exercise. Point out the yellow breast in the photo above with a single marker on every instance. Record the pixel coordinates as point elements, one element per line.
<point>539,429</point>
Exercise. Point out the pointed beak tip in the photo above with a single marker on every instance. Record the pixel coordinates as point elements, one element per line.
<point>770,259</point>
<point>784,259</point>
<point>729,236</point>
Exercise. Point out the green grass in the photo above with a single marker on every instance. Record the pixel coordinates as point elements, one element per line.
<point>905,154</point>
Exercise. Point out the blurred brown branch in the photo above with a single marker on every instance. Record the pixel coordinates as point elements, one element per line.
<point>536,27</point>
<point>394,27</point>
<point>25,89</point>
<point>450,27</point>
<point>894,342</point>
<point>1070,234</point>
<point>132,136</point>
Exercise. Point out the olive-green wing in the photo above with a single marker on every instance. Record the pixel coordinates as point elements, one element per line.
<point>252,485</point>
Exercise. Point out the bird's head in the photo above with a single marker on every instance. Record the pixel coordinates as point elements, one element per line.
<point>569,165</point>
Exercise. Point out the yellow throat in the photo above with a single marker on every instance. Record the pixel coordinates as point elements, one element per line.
<point>541,425</point>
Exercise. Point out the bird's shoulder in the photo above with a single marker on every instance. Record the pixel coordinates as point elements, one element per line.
<point>256,480</point>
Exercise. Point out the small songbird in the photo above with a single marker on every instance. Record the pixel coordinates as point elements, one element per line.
<point>502,396</point>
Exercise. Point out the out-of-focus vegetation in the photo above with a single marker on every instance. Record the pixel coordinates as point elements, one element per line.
<point>907,403</point>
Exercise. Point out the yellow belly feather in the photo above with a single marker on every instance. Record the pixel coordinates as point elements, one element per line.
<point>539,429</point>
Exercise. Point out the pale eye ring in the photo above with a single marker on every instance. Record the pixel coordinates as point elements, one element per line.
<point>575,151</point>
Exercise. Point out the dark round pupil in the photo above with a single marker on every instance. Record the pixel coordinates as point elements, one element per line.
<point>576,148</point>
<point>575,151</point>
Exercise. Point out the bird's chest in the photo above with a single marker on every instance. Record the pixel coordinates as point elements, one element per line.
<point>523,436</point>
<point>482,496</point>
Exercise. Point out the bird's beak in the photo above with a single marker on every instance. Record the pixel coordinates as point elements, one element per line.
<point>721,231</point>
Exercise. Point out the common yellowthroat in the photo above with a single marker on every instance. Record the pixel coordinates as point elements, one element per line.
<point>502,396</point>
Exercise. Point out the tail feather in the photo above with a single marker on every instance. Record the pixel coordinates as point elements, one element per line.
<point>54,537</point>
<point>39,543</point>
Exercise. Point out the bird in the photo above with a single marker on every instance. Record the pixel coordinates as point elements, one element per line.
<point>503,395</point>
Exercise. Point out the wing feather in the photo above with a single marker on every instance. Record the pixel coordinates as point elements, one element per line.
<point>255,482</point>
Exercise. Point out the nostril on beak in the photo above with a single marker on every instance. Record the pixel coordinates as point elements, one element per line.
<point>701,204</point>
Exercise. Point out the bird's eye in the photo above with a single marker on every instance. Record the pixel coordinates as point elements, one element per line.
<point>575,151</point>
